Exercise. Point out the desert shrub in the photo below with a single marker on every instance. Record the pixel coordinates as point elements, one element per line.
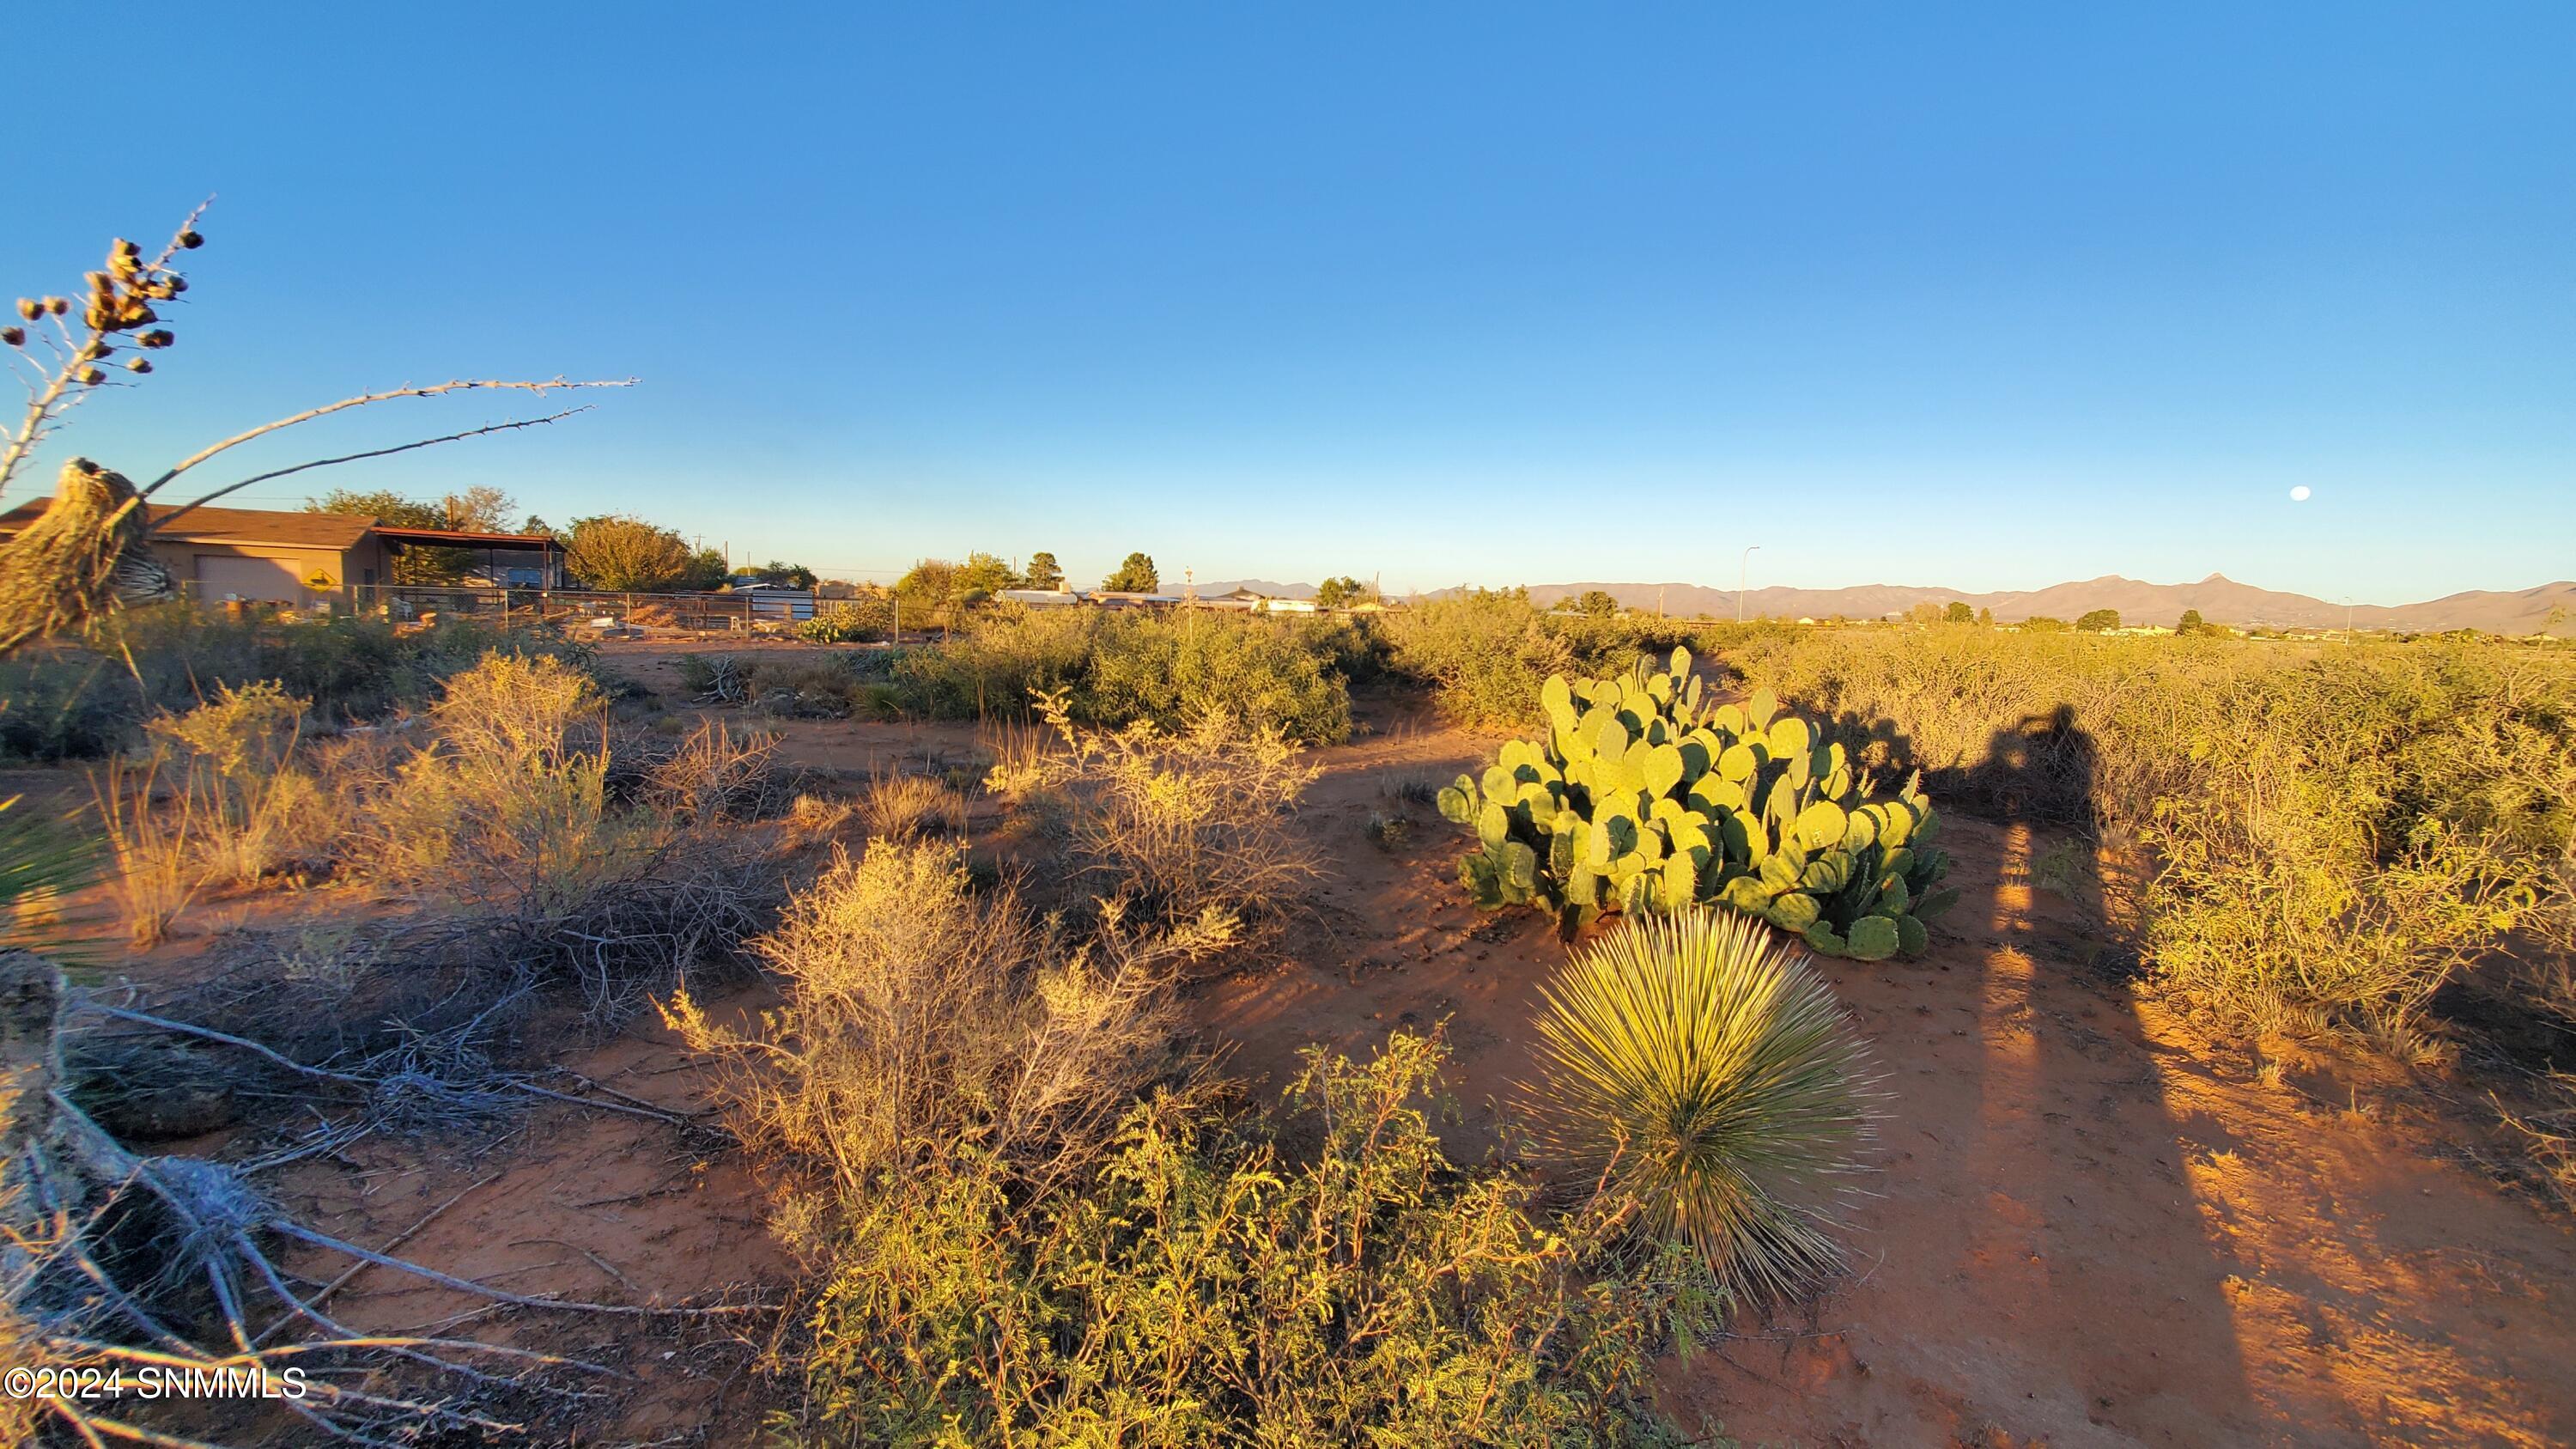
<point>997,665</point>
<point>2330,835</point>
<point>2544,1137</point>
<point>64,701</point>
<point>1171,672</point>
<point>1705,1069</point>
<point>709,775</point>
<point>1119,668</point>
<point>235,758</point>
<point>1646,795</point>
<point>1208,1289</point>
<point>1016,754</point>
<point>1190,826</point>
<point>849,621</point>
<point>1483,655</point>
<point>919,1016</point>
<point>2276,905</point>
<point>2011,724</point>
<point>712,678</point>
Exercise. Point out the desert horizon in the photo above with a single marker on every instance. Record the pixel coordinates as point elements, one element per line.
<point>931,727</point>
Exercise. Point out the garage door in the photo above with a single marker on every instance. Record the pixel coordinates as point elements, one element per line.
<point>220,577</point>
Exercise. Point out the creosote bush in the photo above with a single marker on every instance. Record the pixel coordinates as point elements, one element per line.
<point>920,1015</point>
<point>1189,826</point>
<point>2330,833</point>
<point>1701,1065</point>
<point>1206,1287</point>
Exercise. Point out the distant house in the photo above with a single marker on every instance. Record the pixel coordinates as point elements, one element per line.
<point>1109,599</point>
<point>1287,606</point>
<point>258,555</point>
<point>1040,598</point>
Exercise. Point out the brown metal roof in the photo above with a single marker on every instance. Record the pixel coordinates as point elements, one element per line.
<point>448,536</point>
<point>233,526</point>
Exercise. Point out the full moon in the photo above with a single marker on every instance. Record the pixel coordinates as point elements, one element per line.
<point>2299,494</point>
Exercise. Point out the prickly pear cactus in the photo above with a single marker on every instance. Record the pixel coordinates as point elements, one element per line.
<point>1644,796</point>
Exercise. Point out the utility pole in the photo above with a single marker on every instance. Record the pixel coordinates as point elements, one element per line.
<point>1743,566</point>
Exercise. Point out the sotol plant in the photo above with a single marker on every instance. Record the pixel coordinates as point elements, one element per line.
<point>1703,1066</point>
<point>1645,797</point>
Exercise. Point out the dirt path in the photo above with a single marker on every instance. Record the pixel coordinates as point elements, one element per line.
<point>2093,1227</point>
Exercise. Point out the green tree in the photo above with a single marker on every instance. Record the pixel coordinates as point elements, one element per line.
<point>1135,576</point>
<point>626,554</point>
<point>2043,624</point>
<point>982,576</point>
<point>794,576</point>
<point>1985,618</point>
<point>481,509</point>
<point>931,583</point>
<point>2191,623</point>
<point>1339,593</point>
<point>1597,603</point>
<point>2099,621</point>
<point>705,572</point>
<point>1926,612</point>
<point>1958,613</point>
<point>1044,571</point>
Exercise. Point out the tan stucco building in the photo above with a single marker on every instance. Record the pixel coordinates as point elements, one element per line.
<point>260,555</point>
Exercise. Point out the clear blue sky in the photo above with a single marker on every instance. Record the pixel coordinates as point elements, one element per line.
<point>1984,296</point>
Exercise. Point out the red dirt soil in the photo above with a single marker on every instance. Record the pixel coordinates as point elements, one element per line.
<point>2094,1225</point>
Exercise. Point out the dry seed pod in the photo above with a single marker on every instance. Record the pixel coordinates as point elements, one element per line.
<point>93,350</point>
<point>14,336</point>
<point>30,308</point>
<point>138,364</point>
<point>157,337</point>
<point>191,240</point>
<point>175,283</point>
<point>91,376</point>
<point>58,305</point>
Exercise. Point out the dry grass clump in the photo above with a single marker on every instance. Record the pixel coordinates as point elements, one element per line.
<point>921,1015</point>
<point>2544,1137</point>
<point>154,849</point>
<point>1697,1062</point>
<point>222,797</point>
<point>900,807</point>
<point>1187,826</point>
<point>1020,755</point>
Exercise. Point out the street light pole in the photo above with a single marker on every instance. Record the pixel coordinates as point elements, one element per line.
<point>1741,566</point>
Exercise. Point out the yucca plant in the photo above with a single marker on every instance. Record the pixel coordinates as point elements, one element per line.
<point>1703,1066</point>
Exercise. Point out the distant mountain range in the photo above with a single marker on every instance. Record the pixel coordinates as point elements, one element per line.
<point>2220,600</point>
<point>1263,587</point>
